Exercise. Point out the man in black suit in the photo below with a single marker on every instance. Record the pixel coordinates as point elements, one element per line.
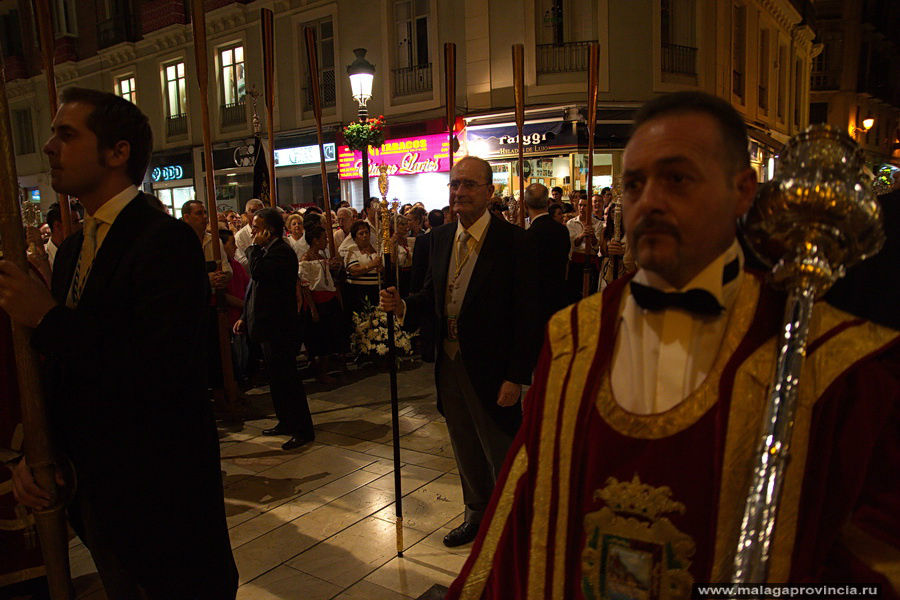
<point>270,309</point>
<point>550,241</point>
<point>122,337</point>
<point>481,289</point>
<point>870,289</point>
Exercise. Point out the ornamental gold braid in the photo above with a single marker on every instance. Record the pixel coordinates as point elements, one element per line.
<point>638,499</point>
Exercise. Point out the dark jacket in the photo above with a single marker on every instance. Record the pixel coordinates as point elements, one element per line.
<point>870,288</point>
<point>499,333</point>
<point>271,300</point>
<point>126,390</point>
<point>421,252</point>
<point>549,240</point>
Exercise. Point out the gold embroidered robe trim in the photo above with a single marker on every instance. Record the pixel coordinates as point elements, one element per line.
<point>588,314</point>
<point>688,411</point>
<point>822,367</point>
<point>561,351</point>
<point>481,570</point>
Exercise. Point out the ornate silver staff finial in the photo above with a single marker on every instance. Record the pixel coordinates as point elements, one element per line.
<point>254,94</point>
<point>813,220</point>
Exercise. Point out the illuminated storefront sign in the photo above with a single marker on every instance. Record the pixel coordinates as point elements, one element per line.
<point>406,156</point>
<point>167,173</point>
<point>303,155</point>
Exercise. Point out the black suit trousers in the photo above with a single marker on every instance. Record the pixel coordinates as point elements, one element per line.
<point>288,393</point>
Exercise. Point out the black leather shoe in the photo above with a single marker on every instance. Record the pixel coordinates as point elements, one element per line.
<point>463,534</point>
<point>277,430</point>
<point>295,442</point>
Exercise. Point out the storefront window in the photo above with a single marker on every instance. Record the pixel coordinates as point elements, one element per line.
<point>174,198</point>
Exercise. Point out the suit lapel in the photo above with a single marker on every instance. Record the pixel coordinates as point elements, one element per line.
<point>64,267</point>
<point>486,258</point>
<point>120,236</point>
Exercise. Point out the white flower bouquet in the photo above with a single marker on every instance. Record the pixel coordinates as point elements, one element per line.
<point>369,335</point>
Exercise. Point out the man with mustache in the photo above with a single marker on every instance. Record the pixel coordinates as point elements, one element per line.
<point>629,475</point>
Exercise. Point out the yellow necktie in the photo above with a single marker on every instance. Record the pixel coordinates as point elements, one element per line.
<point>86,260</point>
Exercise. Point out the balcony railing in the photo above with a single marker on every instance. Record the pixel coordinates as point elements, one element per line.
<point>763,96</point>
<point>568,57</point>
<point>823,81</point>
<point>233,114</point>
<point>411,80</point>
<point>326,88</point>
<point>679,59</point>
<point>176,125</point>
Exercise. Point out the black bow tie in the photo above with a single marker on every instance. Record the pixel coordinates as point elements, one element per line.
<point>696,301</point>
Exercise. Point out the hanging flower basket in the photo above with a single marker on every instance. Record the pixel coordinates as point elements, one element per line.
<point>359,135</point>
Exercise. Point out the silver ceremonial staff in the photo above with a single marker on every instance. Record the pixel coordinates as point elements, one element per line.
<point>814,219</point>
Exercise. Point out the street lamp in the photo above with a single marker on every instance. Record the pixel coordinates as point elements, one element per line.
<point>362,74</point>
<point>866,126</point>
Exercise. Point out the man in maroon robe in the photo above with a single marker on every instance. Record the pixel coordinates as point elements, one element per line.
<point>628,477</point>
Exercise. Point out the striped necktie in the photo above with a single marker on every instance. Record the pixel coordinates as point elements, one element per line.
<point>86,260</point>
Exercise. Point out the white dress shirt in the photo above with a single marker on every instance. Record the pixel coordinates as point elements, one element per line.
<point>242,240</point>
<point>208,252</point>
<point>51,249</point>
<point>576,228</point>
<point>300,246</point>
<point>661,357</point>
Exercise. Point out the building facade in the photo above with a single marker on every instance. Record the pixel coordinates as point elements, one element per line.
<point>754,53</point>
<point>856,77</point>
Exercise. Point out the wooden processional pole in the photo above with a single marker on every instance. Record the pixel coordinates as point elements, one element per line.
<point>450,88</point>
<point>200,56</point>
<point>518,59</point>
<point>39,452</point>
<point>312,55</point>
<point>48,50</point>
<point>593,82</point>
<point>268,44</point>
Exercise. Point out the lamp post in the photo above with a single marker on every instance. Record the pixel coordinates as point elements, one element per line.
<point>362,74</point>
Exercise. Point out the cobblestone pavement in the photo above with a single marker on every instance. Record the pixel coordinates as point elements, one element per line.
<point>318,522</point>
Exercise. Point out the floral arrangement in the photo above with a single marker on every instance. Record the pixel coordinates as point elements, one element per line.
<point>358,135</point>
<point>370,333</point>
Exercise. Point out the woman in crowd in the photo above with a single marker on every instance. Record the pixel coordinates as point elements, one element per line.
<point>321,310</point>
<point>295,235</point>
<point>363,266</point>
<point>234,299</point>
<point>557,214</point>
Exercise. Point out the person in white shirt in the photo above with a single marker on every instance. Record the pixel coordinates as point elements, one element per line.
<point>585,246</point>
<point>324,335</point>
<point>193,212</point>
<point>54,221</point>
<point>344,222</point>
<point>374,230</point>
<point>244,238</point>
<point>295,237</point>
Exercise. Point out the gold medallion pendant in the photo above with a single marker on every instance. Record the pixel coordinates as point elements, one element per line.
<point>631,550</point>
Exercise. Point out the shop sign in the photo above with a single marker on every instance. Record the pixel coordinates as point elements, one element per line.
<point>167,173</point>
<point>303,155</point>
<point>406,156</point>
<point>492,141</point>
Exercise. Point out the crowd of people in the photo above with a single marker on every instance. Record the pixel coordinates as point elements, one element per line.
<point>623,469</point>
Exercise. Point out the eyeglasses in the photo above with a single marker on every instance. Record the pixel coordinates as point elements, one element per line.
<point>466,184</point>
